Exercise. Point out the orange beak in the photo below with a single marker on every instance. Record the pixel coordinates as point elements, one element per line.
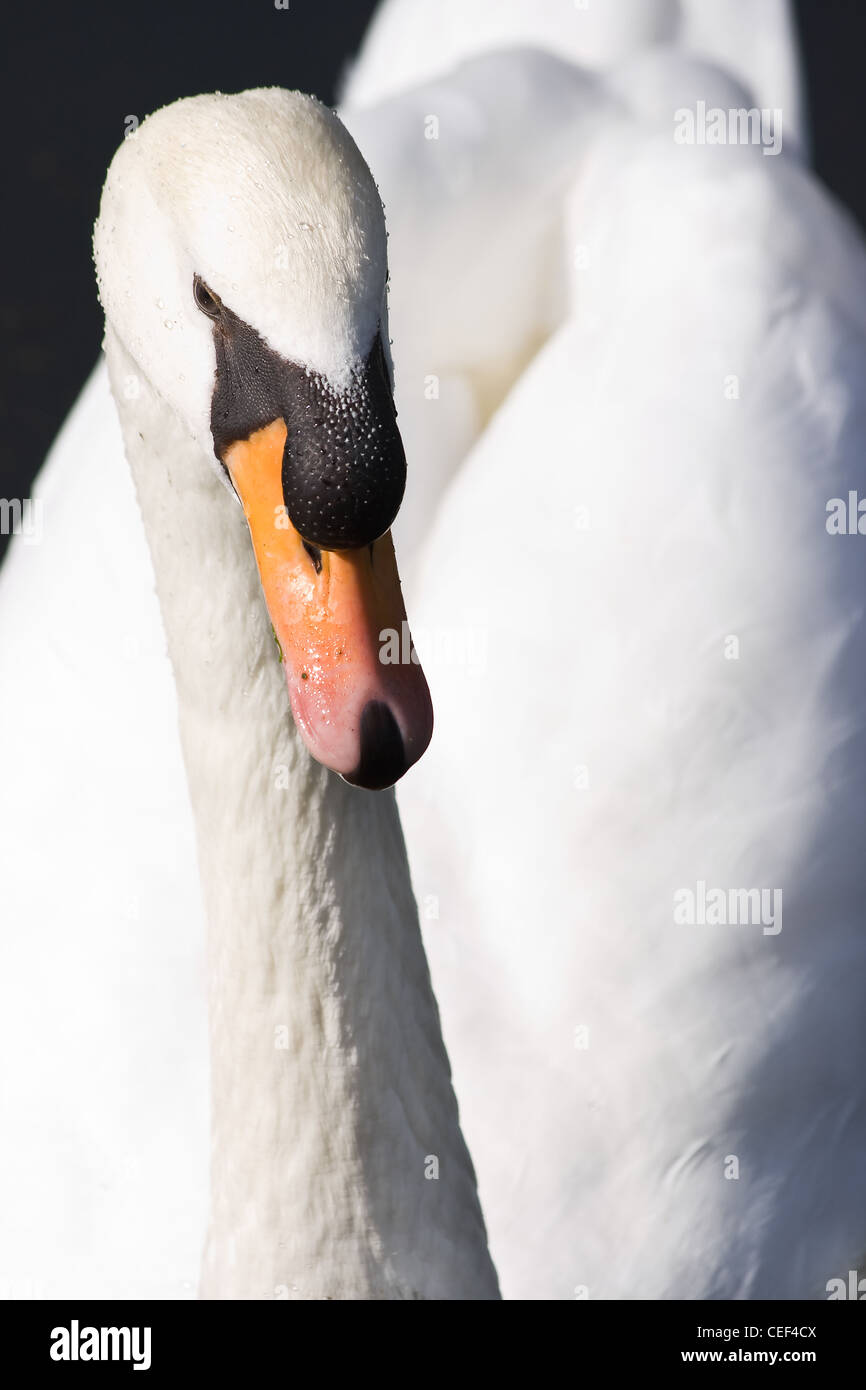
<point>335,615</point>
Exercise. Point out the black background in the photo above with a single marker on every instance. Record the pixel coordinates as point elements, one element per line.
<point>71,75</point>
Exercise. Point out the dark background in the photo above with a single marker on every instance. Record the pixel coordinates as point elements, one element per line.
<point>71,73</point>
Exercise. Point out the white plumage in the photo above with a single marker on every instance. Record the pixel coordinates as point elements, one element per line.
<point>642,527</point>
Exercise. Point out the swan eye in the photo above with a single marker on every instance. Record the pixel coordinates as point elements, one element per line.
<point>205,299</point>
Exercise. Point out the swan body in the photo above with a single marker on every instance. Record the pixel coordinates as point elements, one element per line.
<point>412,43</point>
<point>677,620</point>
<point>103,980</point>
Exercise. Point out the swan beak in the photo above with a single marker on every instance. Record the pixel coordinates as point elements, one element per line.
<point>336,615</point>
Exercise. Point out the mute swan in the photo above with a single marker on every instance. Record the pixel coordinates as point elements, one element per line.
<point>607,1072</point>
<point>240,250</point>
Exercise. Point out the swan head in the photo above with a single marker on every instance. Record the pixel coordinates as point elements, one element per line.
<point>241,257</point>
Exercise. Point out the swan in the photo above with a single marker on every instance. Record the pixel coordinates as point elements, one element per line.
<point>240,252</point>
<point>650,1112</point>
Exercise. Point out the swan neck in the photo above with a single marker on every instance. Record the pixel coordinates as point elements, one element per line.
<point>338,1168</point>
